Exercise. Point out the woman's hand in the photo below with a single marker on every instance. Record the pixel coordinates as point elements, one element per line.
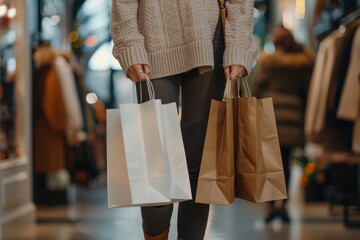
<point>235,71</point>
<point>138,72</point>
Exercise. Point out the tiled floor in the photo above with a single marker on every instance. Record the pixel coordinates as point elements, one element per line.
<point>89,218</point>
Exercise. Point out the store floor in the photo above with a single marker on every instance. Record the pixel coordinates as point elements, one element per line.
<point>87,217</point>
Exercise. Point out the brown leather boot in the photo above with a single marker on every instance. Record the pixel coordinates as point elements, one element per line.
<point>162,236</point>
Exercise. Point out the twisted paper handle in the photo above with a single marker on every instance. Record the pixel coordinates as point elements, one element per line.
<point>150,88</point>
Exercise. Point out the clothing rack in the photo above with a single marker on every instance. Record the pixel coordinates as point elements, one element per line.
<point>353,201</point>
<point>350,17</point>
<point>349,201</point>
<point>336,17</point>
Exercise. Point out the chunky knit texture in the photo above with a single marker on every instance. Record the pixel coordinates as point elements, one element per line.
<point>174,36</point>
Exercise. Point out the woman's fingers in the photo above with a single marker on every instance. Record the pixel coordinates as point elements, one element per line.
<point>227,71</point>
<point>234,72</point>
<point>237,71</point>
<point>138,72</point>
<point>146,69</point>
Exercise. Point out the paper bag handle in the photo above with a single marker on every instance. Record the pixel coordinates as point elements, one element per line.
<point>150,89</point>
<point>228,89</point>
<point>242,83</point>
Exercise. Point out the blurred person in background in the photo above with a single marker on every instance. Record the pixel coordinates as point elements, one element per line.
<point>285,76</point>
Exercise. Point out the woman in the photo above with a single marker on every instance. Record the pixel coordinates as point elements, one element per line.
<point>285,75</point>
<point>180,44</point>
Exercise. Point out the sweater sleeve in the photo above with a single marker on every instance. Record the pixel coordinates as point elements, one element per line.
<point>240,45</point>
<point>129,48</point>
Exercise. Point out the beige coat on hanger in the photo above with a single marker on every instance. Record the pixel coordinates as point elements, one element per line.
<point>349,106</point>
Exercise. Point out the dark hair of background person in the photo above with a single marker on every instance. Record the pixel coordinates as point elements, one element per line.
<point>284,40</point>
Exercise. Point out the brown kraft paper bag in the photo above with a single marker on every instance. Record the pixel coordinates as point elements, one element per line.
<point>216,184</point>
<point>258,168</point>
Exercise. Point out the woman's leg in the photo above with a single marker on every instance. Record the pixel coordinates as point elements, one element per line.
<point>197,92</point>
<point>156,220</point>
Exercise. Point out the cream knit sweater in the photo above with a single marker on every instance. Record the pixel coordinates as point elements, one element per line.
<point>174,36</point>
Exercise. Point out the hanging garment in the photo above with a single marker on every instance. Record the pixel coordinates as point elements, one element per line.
<point>319,87</point>
<point>349,106</point>
<point>74,120</point>
<point>321,123</point>
<point>49,115</point>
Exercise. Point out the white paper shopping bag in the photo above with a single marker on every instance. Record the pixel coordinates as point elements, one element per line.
<point>145,155</point>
